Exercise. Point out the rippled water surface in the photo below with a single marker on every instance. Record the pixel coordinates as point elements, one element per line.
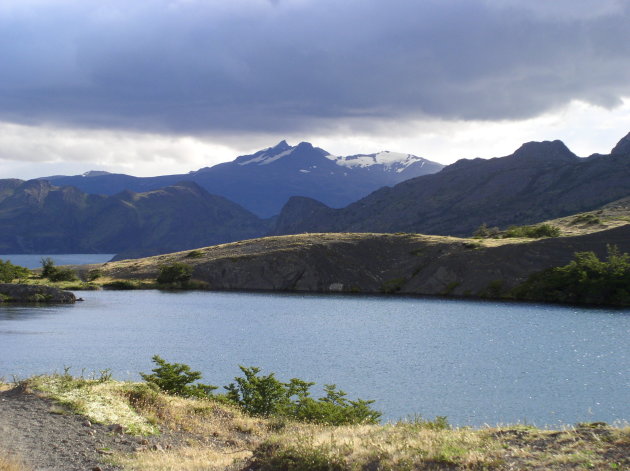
<point>474,362</point>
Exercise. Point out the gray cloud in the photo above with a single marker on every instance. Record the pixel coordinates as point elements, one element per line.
<point>206,67</point>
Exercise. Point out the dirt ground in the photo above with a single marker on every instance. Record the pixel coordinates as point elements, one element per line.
<point>46,437</point>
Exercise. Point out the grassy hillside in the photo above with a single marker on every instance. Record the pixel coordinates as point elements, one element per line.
<point>192,434</point>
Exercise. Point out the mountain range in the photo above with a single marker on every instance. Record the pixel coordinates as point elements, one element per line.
<point>37,217</point>
<point>540,181</point>
<point>263,182</point>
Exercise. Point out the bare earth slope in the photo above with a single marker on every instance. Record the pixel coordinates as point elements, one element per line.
<point>34,429</point>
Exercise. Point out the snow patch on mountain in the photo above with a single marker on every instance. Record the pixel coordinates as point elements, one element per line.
<point>267,158</point>
<point>391,161</point>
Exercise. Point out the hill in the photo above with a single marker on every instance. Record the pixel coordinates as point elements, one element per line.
<point>263,182</point>
<point>375,263</point>
<point>37,217</point>
<point>540,181</point>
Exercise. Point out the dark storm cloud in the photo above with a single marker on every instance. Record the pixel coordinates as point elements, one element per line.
<point>282,65</point>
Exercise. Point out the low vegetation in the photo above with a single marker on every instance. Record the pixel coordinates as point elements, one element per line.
<point>265,395</point>
<point>10,272</point>
<point>55,273</point>
<point>213,433</point>
<point>175,274</point>
<point>585,280</point>
<point>528,232</point>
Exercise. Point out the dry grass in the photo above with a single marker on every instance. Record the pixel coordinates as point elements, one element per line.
<point>193,458</point>
<point>11,463</point>
<point>205,434</point>
<point>399,446</point>
<point>100,401</point>
<point>582,447</point>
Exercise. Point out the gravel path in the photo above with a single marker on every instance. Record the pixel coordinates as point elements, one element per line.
<point>47,438</point>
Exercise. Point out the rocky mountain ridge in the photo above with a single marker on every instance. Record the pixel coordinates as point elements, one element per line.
<point>263,182</point>
<point>540,181</point>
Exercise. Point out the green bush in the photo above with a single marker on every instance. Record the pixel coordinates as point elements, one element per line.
<point>62,274</point>
<point>53,273</point>
<point>48,265</point>
<point>194,254</point>
<point>532,232</point>
<point>177,379</point>
<point>176,273</point>
<point>10,272</point>
<point>485,232</point>
<point>120,285</point>
<point>267,396</point>
<point>586,279</point>
<point>94,275</point>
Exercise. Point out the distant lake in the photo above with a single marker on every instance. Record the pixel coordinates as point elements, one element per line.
<point>474,362</point>
<point>33,261</point>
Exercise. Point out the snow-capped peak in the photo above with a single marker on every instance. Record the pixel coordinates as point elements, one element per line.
<point>266,156</point>
<point>391,161</point>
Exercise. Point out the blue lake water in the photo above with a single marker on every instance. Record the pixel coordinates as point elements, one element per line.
<point>34,261</point>
<point>474,362</point>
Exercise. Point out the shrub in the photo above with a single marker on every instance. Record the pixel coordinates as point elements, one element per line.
<point>586,279</point>
<point>177,379</point>
<point>94,274</point>
<point>62,274</point>
<point>194,254</point>
<point>53,273</point>
<point>9,272</point>
<point>120,285</point>
<point>268,396</point>
<point>48,265</point>
<point>485,232</point>
<point>532,232</point>
<point>176,273</point>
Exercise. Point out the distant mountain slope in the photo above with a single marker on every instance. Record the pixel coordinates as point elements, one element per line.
<point>540,181</point>
<point>37,217</point>
<point>264,181</point>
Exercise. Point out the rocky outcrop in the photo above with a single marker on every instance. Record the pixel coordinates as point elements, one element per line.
<point>376,263</point>
<point>18,293</point>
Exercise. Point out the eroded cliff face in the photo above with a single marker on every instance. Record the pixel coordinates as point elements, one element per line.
<point>375,263</point>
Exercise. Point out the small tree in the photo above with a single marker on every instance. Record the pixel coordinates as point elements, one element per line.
<point>54,273</point>
<point>177,379</point>
<point>48,266</point>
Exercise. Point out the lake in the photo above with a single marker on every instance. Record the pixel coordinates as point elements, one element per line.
<point>34,261</point>
<point>474,362</point>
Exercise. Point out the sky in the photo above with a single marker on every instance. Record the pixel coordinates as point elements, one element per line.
<point>150,87</point>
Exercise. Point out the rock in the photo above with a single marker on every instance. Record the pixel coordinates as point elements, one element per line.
<point>157,447</point>
<point>86,423</point>
<point>117,428</point>
<point>21,293</point>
